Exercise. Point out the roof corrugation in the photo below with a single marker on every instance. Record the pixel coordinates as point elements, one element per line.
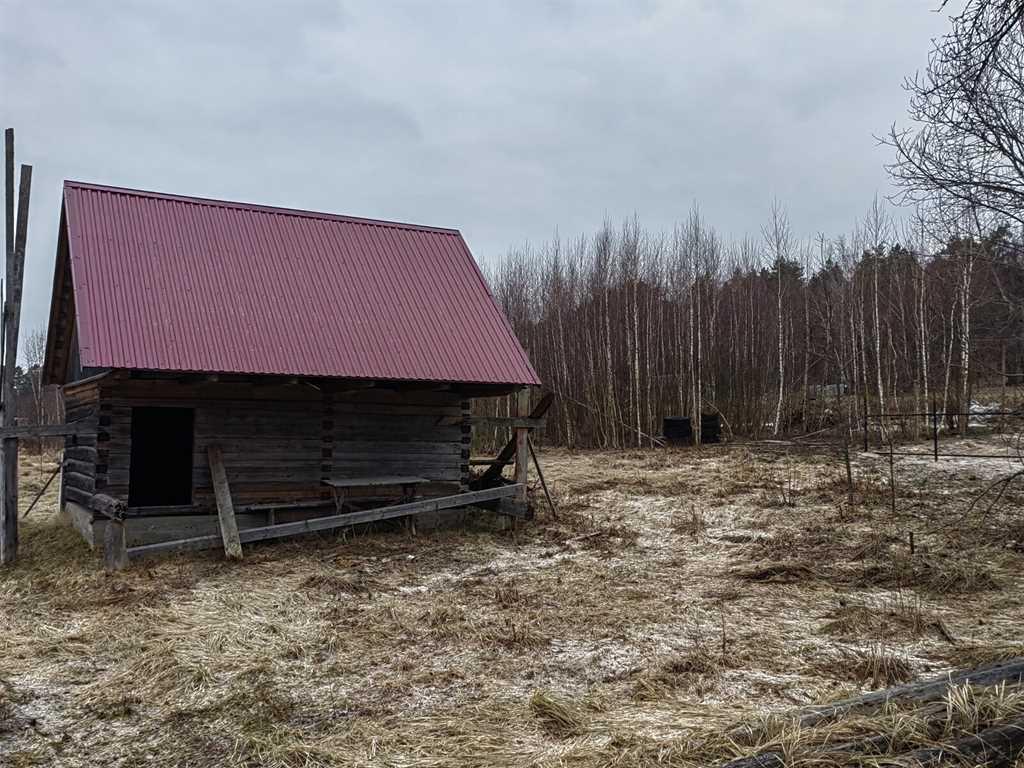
<point>172,283</point>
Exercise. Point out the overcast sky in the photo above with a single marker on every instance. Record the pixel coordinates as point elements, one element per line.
<point>505,120</point>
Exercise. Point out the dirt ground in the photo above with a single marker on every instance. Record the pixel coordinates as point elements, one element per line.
<point>677,593</point>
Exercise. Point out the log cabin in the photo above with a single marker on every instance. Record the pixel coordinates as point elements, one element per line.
<point>321,363</point>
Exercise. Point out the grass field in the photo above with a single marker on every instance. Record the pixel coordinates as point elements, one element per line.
<point>676,594</point>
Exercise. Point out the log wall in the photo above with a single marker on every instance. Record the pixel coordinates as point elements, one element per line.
<point>85,469</point>
<point>279,441</point>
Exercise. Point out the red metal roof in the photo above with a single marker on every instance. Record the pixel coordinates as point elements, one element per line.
<point>173,283</point>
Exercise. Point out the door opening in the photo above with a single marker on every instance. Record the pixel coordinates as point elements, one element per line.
<point>160,472</point>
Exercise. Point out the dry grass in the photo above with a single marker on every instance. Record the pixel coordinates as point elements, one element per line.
<point>557,716</point>
<point>875,667</point>
<point>679,592</point>
<point>900,615</point>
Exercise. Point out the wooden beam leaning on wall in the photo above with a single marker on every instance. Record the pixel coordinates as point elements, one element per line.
<point>225,509</point>
<point>11,320</point>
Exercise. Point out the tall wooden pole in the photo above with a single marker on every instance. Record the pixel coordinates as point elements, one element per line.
<point>12,320</point>
<point>8,232</point>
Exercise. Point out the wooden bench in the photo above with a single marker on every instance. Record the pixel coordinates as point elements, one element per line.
<point>341,485</point>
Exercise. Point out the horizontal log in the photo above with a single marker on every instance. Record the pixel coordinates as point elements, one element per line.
<point>107,505</point>
<point>78,480</point>
<point>49,430</point>
<point>87,468</point>
<point>331,522</point>
<point>80,411</point>
<point>76,494</point>
<point>81,453</point>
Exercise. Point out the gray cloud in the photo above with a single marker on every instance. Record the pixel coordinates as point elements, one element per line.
<point>504,120</point>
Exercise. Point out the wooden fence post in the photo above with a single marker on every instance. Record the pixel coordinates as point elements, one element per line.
<point>225,509</point>
<point>11,320</point>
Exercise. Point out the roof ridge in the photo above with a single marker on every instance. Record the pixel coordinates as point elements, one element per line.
<point>280,210</point>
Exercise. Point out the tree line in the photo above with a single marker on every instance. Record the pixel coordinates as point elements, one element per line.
<point>775,334</point>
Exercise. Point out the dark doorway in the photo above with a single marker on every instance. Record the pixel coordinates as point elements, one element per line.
<point>161,460</point>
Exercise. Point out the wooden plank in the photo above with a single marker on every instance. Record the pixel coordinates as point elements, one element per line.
<point>286,506</point>
<point>369,482</point>
<point>333,521</point>
<point>228,526</point>
<point>497,421</point>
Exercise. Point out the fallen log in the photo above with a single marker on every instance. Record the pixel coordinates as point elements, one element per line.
<point>995,747</point>
<point>1010,671</point>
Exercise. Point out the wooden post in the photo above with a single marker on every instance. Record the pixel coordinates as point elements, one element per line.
<point>115,551</point>
<point>543,483</point>
<point>12,320</point>
<point>522,443</point>
<point>225,510</point>
<point>9,194</point>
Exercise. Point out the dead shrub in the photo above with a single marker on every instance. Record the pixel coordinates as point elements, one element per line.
<point>508,595</point>
<point>981,654</point>
<point>691,523</point>
<point>902,615</point>
<point>876,666</point>
<point>696,671</point>
<point>777,573</point>
<point>514,635</point>
<point>938,575</point>
<point>344,584</point>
